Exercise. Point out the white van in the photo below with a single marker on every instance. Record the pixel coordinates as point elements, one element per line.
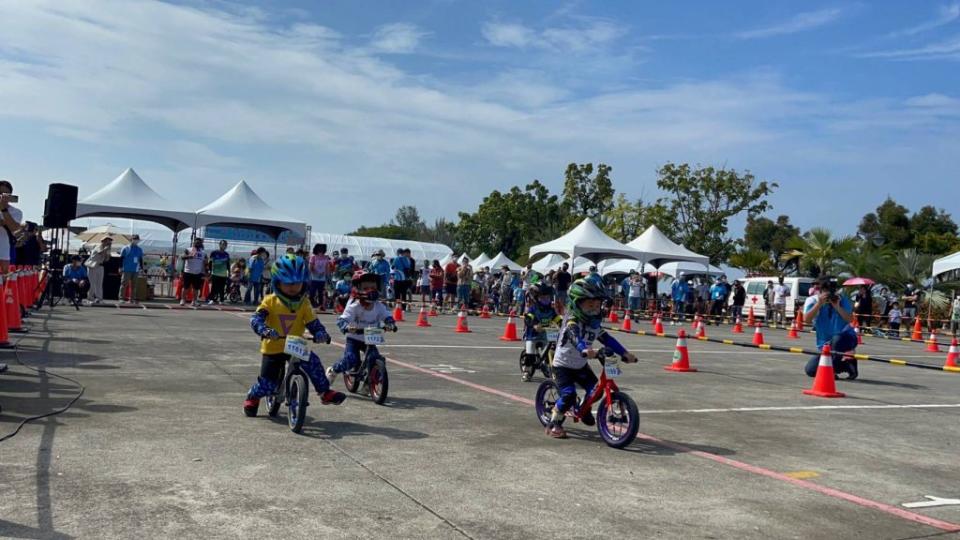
<point>755,286</point>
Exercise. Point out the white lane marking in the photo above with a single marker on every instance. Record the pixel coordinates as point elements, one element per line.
<point>805,408</point>
<point>391,345</point>
<point>518,346</point>
<point>445,368</point>
<point>934,501</point>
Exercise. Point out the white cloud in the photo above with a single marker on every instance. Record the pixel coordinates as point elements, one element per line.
<point>397,38</point>
<point>944,50</point>
<point>586,35</point>
<point>798,23</point>
<point>947,14</point>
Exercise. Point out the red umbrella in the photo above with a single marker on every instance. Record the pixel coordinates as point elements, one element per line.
<point>858,281</point>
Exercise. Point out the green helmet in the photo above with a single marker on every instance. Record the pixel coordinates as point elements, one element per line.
<point>584,289</point>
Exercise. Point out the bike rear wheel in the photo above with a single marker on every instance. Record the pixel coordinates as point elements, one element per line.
<point>524,368</point>
<point>297,394</point>
<point>547,395</point>
<point>351,379</point>
<point>379,381</point>
<point>618,424</point>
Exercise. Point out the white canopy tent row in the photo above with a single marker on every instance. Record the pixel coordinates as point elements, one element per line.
<point>588,241</point>
<point>242,208</point>
<point>497,263</point>
<point>481,261</point>
<point>362,248</point>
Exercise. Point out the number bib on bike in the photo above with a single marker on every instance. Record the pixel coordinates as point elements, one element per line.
<point>373,336</point>
<point>612,368</point>
<point>552,334</point>
<point>296,347</point>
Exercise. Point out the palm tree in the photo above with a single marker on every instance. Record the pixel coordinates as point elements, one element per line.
<point>753,261</point>
<point>818,251</point>
<point>865,260</point>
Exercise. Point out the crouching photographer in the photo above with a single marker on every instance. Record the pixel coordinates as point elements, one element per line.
<point>830,314</point>
<point>75,281</point>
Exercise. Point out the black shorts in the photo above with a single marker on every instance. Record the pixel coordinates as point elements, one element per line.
<point>192,280</point>
<point>450,289</point>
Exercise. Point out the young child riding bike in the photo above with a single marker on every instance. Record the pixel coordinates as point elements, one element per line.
<point>363,311</point>
<point>580,328</point>
<point>286,312</point>
<point>540,314</point>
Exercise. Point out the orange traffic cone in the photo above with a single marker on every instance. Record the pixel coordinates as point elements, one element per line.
<point>485,312</point>
<point>398,313</point>
<point>14,323</point>
<point>702,331</point>
<point>758,336</point>
<point>627,322</point>
<point>658,327</point>
<point>799,322</point>
<point>917,330</point>
<point>205,294</point>
<point>751,319</point>
<point>653,321</point>
<point>738,326</point>
<point>952,354</point>
<point>859,335</point>
<point>932,342</point>
<point>613,316</point>
<point>792,334</point>
<point>681,357</point>
<point>510,330</point>
<point>422,318</point>
<point>4,335</point>
<point>824,384</point>
<point>462,327</point>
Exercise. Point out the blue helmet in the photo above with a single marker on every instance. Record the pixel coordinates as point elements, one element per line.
<point>290,270</point>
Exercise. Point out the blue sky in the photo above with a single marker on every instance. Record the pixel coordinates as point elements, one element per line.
<point>339,112</point>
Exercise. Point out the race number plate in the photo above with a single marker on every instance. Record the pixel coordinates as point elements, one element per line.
<point>296,347</point>
<point>612,368</point>
<point>373,336</point>
<point>552,334</point>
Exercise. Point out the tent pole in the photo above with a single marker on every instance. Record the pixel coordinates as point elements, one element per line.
<point>173,261</point>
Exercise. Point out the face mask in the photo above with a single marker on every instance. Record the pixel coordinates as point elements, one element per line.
<point>371,296</point>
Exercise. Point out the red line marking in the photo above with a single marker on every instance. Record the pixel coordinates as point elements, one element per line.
<point>824,490</point>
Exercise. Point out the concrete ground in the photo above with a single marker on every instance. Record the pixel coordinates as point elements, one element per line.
<point>158,447</point>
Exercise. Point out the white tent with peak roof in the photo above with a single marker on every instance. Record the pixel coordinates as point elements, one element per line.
<point>481,261</point>
<point>129,197</point>
<point>946,264</point>
<point>548,263</point>
<point>242,208</point>
<point>657,250</point>
<point>588,241</point>
<point>501,260</point>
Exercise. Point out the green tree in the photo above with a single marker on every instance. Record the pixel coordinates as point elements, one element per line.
<point>408,219</point>
<point>934,231</point>
<point>771,237</point>
<point>703,201</point>
<point>586,195</point>
<point>510,221</point>
<point>753,261</point>
<point>628,219</point>
<point>818,252</point>
<point>891,221</point>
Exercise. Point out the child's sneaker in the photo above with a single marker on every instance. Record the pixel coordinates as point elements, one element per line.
<point>556,431</point>
<point>183,302</point>
<point>250,406</point>
<point>331,397</point>
<point>587,418</point>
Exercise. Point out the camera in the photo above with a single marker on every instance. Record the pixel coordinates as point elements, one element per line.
<point>831,287</point>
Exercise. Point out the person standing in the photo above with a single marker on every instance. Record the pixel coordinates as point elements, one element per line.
<point>131,264</point>
<point>424,283</point>
<point>319,265</point>
<point>400,266</point>
<point>780,294</point>
<point>955,314</point>
<point>194,264</point>
<point>464,279</point>
<point>219,273</point>
<point>436,283</point>
<point>864,306</point>
<point>635,292</point>
<point>678,293</point>
<point>717,294</point>
<point>11,217</point>
<point>99,256</point>
<point>256,269</point>
<point>450,282</point>
<point>381,268</point>
<point>563,285</point>
<point>739,299</point>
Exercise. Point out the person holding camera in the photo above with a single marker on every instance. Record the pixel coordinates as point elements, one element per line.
<point>11,218</point>
<point>75,281</point>
<point>830,314</point>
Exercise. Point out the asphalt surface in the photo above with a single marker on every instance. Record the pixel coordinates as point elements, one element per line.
<point>158,446</point>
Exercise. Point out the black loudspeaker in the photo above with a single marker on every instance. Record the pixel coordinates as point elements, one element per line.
<point>61,206</point>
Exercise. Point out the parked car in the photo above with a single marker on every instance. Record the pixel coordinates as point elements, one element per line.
<point>755,286</point>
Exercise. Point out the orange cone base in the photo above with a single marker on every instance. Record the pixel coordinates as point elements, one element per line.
<point>818,393</point>
<point>463,331</point>
<point>680,369</point>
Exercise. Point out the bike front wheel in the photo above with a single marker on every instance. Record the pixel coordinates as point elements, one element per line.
<point>379,381</point>
<point>297,394</point>
<point>547,395</point>
<point>619,422</point>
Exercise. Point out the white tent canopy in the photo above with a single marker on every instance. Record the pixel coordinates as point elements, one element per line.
<point>658,249</point>
<point>480,261</point>
<point>242,208</point>
<point>362,248</point>
<point>548,263</point>
<point>588,241</point>
<point>500,260</point>
<point>946,264</point>
<point>462,258</point>
<point>671,269</point>
<point>128,196</point>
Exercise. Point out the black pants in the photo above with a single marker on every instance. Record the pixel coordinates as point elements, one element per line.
<point>402,292</point>
<point>218,286</point>
<point>567,379</point>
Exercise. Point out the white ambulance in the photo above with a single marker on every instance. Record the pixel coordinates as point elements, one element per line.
<point>755,286</point>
